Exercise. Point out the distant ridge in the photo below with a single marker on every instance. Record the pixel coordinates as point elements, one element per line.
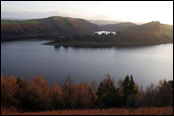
<point>56,27</point>
<point>46,26</point>
<point>117,27</point>
<point>152,32</point>
<point>104,22</point>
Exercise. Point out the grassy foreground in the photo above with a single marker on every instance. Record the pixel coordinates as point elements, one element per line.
<point>112,111</point>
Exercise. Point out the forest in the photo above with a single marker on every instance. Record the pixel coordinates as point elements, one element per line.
<point>37,95</point>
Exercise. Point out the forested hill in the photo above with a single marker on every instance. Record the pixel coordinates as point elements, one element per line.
<point>56,28</point>
<point>152,32</point>
<point>48,26</point>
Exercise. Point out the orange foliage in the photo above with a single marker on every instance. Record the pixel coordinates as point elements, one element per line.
<point>38,96</point>
<point>57,90</point>
<point>40,85</point>
<point>82,95</point>
<point>68,95</point>
<point>8,89</point>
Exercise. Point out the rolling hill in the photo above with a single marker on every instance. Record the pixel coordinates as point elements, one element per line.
<point>47,27</point>
<point>54,28</point>
<point>103,22</point>
<point>117,27</point>
<point>148,33</point>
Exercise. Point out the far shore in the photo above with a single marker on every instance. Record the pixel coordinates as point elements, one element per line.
<point>100,44</point>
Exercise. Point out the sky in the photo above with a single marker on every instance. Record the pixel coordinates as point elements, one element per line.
<point>132,11</point>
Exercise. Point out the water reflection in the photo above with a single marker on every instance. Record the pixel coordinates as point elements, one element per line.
<point>122,47</point>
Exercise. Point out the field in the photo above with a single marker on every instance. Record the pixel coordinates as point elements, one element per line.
<point>112,111</point>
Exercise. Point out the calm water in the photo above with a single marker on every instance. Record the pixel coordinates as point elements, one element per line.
<point>147,64</point>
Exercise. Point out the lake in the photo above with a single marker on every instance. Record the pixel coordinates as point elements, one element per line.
<point>147,64</point>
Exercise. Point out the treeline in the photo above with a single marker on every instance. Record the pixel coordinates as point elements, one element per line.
<point>88,38</point>
<point>36,95</point>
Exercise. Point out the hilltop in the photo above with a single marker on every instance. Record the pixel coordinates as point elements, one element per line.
<point>149,33</point>
<point>45,28</point>
<point>67,31</point>
<point>146,34</point>
<point>118,26</point>
<point>103,22</point>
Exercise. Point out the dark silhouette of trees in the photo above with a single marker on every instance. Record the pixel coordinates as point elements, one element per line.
<point>128,88</point>
<point>150,95</point>
<point>36,95</point>
<point>107,93</point>
<point>161,95</point>
<point>20,92</point>
<point>136,100</point>
<point>165,93</point>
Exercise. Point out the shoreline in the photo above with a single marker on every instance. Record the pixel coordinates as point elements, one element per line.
<point>102,44</point>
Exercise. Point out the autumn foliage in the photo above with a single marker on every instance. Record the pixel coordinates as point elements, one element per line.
<point>37,95</point>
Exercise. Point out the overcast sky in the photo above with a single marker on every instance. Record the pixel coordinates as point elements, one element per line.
<point>138,11</point>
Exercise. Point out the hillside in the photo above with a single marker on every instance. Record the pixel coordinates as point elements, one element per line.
<point>148,33</point>
<point>167,30</point>
<point>103,22</point>
<point>48,27</point>
<point>62,28</point>
<point>117,27</point>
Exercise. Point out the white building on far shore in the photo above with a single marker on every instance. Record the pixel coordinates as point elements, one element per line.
<point>106,32</point>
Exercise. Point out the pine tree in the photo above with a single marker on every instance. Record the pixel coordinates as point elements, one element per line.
<point>107,93</point>
<point>129,88</point>
<point>132,86</point>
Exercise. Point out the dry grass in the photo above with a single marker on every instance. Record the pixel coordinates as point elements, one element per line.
<point>112,111</point>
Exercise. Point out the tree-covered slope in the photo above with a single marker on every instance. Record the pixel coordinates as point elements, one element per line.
<point>152,32</point>
<point>47,26</point>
